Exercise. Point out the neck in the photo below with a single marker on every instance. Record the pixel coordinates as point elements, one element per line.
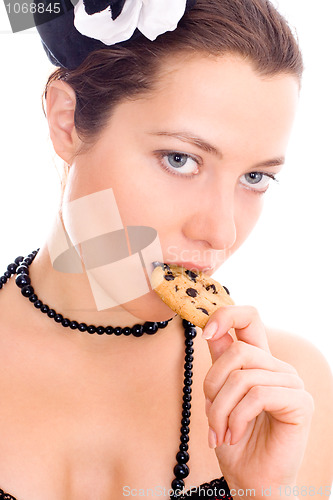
<point>70,295</point>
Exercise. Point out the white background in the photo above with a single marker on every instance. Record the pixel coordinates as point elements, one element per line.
<point>285,268</point>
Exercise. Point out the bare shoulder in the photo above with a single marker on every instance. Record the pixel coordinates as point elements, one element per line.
<point>308,360</point>
<point>313,368</point>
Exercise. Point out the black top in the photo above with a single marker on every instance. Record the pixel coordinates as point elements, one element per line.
<point>215,490</point>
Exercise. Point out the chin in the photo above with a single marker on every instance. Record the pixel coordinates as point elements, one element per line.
<point>149,307</point>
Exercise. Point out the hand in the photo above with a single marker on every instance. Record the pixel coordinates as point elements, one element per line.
<point>258,411</point>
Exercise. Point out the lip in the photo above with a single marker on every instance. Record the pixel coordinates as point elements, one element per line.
<point>193,266</point>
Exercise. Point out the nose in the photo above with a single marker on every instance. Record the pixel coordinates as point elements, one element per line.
<point>213,222</point>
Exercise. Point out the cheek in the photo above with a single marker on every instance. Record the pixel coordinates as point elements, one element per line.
<point>247,213</point>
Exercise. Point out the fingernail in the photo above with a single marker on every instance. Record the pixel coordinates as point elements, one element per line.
<point>212,441</point>
<point>208,405</point>
<point>209,331</point>
<point>227,437</point>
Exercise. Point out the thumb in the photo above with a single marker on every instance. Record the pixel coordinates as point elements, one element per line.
<point>218,346</point>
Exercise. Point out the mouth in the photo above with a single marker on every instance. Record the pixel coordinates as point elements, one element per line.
<point>191,266</point>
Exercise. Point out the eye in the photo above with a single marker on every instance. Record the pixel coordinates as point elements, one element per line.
<point>178,163</point>
<point>257,181</point>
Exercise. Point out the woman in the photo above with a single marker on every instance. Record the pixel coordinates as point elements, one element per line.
<point>181,135</point>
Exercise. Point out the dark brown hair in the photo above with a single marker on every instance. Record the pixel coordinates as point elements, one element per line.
<point>253,29</point>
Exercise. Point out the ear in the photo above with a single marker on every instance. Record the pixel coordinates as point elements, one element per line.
<point>60,107</point>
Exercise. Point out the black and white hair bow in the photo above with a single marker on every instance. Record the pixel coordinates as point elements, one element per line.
<point>94,24</point>
<point>115,21</point>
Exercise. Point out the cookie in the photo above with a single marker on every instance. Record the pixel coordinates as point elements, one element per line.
<point>193,296</point>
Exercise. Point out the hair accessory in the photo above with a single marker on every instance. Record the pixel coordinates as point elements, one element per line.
<point>150,17</point>
<point>69,36</point>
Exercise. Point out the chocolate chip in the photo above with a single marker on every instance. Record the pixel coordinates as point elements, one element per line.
<point>191,275</point>
<point>213,287</point>
<point>165,266</point>
<point>203,310</point>
<point>226,289</point>
<point>191,292</point>
<point>176,288</point>
<point>214,303</point>
<point>169,277</point>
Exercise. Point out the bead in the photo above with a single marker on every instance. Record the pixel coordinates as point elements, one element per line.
<point>188,358</point>
<point>182,457</point>
<point>126,331</point>
<point>181,471</point>
<point>22,280</point>
<point>177,484</point>
<point>45,308</point>
<point>187,323</point>
<point>91,329</point>
<point>73,325</point>
<point>1,285</point>
<point>150,327</point>
<point>82,327</point>
<point>18,260</point>
<point>184,430</point>
<point>58,318</point>
<point>185,421</point>
<point>51,313</point>
<point>183,446</point>
<point>38,304</point>
<point>187,390</point>
<point>137,330</point>
<point>22,270</point>
<point>27,291</point>
<point>7,274</point>
<point>11,268</point>
<point>187,398</point>
<point>186,406</point>
<point>184,438</point>
<point>189,342</point>
<point>100,330</point>
<point>31,256</point>
<point>27,260</point>
<point>186,413</point>
<point>109,330</point>
<point>33,297</point>
<point>162,324</point>
<point>187,381</point>
<point>188,366</point>
<point>118,331</point>
<point>35,252</point>
<point>189,350</point>
<point>65,322</point>
<point>190,332</point>
<point>3,280</point>
<point>188,373</point>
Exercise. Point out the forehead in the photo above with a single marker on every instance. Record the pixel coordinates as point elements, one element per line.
<point>220,97</point>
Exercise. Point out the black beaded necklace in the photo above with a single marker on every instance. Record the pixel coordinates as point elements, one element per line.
<point>20,267</point>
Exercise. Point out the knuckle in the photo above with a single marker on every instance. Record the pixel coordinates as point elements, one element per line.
<point>236,378</point>
<point>309,402</point>
<point>210,386</point>
<point>253,311</point>
<point>256,392</point>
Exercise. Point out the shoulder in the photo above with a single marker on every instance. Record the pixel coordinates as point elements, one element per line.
<point>313,368</point>
<point>308,360</point>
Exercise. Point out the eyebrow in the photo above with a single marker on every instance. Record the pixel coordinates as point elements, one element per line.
<point>209,148</point>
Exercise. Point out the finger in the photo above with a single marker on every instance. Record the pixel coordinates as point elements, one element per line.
<point>237,385</point>
<point>286,405</point>
<point>240,356</point>
<point>247,325</point>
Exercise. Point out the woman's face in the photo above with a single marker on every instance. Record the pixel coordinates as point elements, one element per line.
<point>193,158</point>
